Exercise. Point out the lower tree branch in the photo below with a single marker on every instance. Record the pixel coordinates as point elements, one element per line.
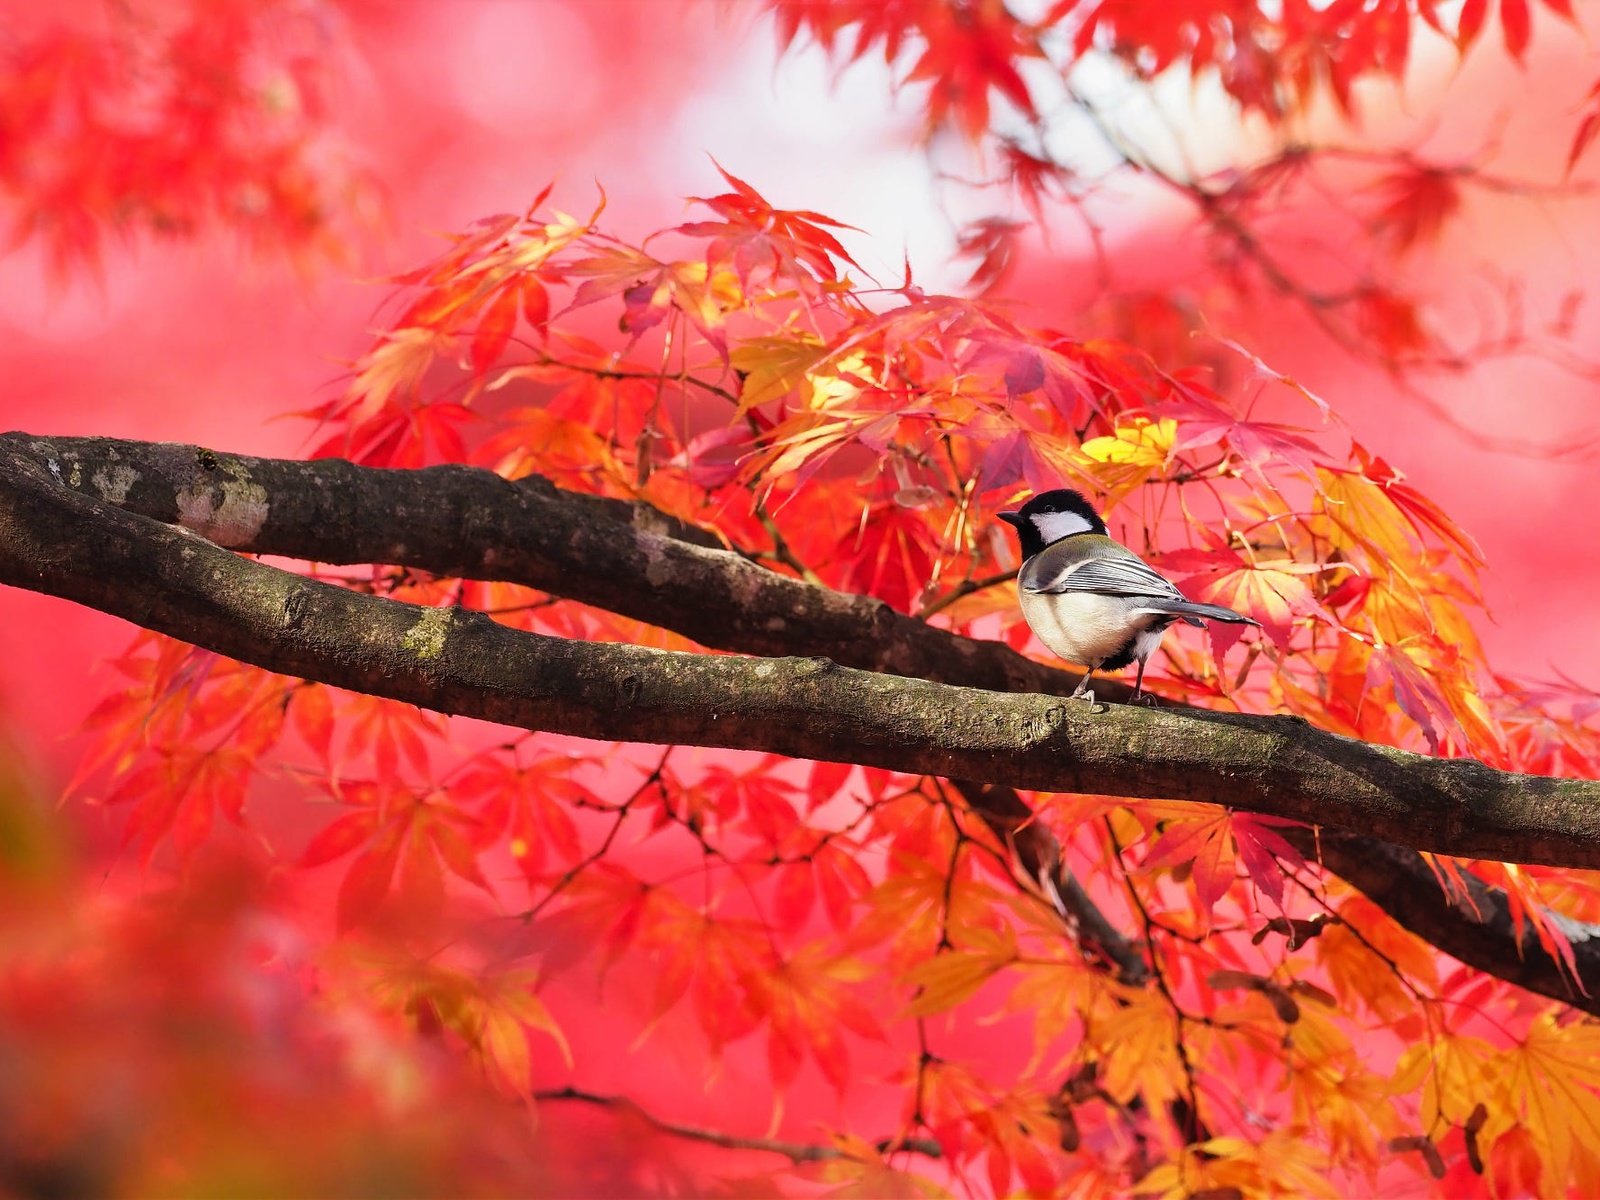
<point>1477,928</point>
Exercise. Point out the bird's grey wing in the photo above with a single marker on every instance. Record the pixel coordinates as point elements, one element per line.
<point>1120,573</point>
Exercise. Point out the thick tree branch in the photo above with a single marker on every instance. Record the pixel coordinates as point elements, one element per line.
<point>591,549</point>
<point>64,543</point>
<point>466,522</point>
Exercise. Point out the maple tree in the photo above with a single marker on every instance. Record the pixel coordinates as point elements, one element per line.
<point>699,529</point>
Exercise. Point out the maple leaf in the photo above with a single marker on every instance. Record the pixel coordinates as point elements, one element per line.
<point>1204,846</point>
<point>717,963</point>
<point>529,804</point>
<point>774,366</point>
<point>1418,201</point>
<point>1393,322</point>
<point>753,233</point>
<point>967,52</point>
<point>1272,591</point>
<point>841,881</point>
<point>890,556</point>
<point>806,998</point>
<point>391,731</point>
<point>1138,1055</point>
<point>1130,455</point>
<point>491,1013</point>
<point>495,329</point>
<point>968,1115</point>
<point>398,827</point>
<point>1350,1106</point>
<point>993,242</point>
<point>178,795</point>
<point>542,440</point>
<point>508,1007</point>
<point>651,290</point>
<point>1422,514</point>
<point>1527,902</point>
<point>953,976</point>
<point>1281,1164</point>
<point>1256,446</point>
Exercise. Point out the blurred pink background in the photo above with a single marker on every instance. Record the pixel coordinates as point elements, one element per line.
<point>469,107</point>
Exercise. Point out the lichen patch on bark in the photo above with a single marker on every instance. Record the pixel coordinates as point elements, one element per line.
<point>229,512</point>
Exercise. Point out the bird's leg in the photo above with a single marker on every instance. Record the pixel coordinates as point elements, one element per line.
<point>1138,696</point>
<point>1082,692</point>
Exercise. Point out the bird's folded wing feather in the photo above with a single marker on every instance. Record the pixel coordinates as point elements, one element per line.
<point>1114,574</point>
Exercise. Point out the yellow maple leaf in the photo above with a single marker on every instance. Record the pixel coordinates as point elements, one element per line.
<point>1139,1050</point>
<point>775,365</point>
<point>1550,1081</point>
<point>954,975</point>
<point>1457,1073</point>
<point>1131,454</point>
<point>1281,1164</point>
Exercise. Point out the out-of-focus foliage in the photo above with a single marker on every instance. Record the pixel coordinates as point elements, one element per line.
<point>1272,59</point>
<point>179,1042</point>
<point>176,118</point>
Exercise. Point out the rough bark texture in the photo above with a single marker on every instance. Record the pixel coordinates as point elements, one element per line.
<point>62,531</point>
<point>467,522</point>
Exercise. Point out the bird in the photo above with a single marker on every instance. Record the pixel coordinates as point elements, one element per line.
<point>1090,599</point>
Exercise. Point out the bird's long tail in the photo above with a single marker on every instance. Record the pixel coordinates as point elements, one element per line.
<point>1190,611</point>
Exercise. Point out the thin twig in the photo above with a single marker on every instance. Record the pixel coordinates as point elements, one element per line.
<point>795,1152</point>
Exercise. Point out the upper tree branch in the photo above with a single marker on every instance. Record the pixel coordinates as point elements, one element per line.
<point>466,522</point>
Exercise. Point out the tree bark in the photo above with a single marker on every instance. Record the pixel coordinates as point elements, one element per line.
<point>62,531</point>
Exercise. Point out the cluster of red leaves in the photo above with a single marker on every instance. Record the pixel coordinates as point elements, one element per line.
<point>730,372</point>
<point>172,117</point>
<point>1005,80</point>
<point>1271,58</point>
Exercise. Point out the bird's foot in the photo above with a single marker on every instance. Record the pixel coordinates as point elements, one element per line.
<point>1087,696</point>
<point>1145,699</point>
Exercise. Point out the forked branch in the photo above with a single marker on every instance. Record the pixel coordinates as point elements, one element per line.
<point>62,532</point>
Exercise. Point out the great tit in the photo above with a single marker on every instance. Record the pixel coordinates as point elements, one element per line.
<point>1089,598</point>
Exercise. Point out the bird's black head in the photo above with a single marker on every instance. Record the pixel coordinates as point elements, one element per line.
<point>1051,516</point>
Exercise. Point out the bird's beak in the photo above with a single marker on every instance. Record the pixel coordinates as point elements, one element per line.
<point>1014,519</point>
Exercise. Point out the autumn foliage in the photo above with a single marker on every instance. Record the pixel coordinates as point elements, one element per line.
<point>404,952</point>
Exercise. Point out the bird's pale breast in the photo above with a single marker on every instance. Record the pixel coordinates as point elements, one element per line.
<point>1084,627</point>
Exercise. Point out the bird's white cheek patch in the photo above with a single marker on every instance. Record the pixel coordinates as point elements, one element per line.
<point>1053,527</point>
